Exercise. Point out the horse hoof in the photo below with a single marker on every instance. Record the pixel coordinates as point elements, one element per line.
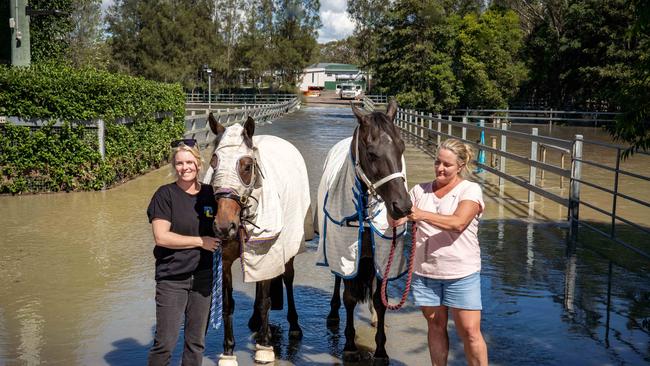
<point>351,356</point>
<point>264,354</point>
<point>380,361</point>
<point>227,360</point>
<point>295,334</point>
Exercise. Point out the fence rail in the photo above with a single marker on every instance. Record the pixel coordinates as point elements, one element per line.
<point>428,131</point>
<point>196,125</point>
<point>550,116</point>
<point>237,98</point>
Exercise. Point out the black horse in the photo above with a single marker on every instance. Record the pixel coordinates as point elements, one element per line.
<point>376,148</point>
<point>242,167</point>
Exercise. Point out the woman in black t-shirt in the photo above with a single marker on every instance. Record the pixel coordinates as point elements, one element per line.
<point>181,215</point>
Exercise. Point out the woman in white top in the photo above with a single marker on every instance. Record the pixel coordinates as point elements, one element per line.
<point>447,253</point>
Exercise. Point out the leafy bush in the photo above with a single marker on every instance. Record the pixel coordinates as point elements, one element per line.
<point>66,158</point>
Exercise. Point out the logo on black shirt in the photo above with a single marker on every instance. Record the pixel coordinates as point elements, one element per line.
<point>208,211</point>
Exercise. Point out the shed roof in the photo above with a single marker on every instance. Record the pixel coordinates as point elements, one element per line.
<point>333,67</point>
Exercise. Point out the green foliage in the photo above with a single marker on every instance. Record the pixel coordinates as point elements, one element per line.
<point>165,41</point>
<point>49,32</point>
<point>170,40</point>
<point>341,52</point>
<point>433,60</point>
<point>486,55</point>
<point>67,158</point>
<point>633,126</point>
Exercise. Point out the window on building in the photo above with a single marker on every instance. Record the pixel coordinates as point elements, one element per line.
<point>329,75</point>
<point>312,77</point>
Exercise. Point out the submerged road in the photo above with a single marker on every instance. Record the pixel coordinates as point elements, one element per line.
<point>77,280</point>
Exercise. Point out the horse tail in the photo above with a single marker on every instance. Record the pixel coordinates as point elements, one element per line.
<point>361,285</point>
<point>277,293</point>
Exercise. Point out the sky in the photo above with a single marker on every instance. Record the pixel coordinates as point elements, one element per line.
<point>336,23</point>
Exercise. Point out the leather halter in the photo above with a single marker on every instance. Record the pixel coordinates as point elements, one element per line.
<point>372,187</point>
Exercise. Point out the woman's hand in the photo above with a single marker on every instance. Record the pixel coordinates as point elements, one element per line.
<point>416,214</point>
<point>210,243</point>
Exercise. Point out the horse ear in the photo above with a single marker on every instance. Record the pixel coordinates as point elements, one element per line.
<point>249,130</point>
<point>357,112</point>
<point>391,111</point>
<point>216,127</point>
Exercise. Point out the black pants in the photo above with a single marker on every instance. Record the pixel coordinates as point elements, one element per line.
<point>175,298</point>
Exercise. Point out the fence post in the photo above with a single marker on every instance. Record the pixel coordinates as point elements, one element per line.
<point>532,174</point>
<point>449,127</point>
<point>480,158</point>
<point>574,187</point>
<point>430,128</point>
<point>502,159</point>
<point>493,156</point>
<point>101,138</point>
<point>439,131</point>
<point>618,166</point>
<point>464,132</point>
<point>421,127</point>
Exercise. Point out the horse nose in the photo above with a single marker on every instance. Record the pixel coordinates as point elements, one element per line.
<point>228,231</point>
<point>401,208</point>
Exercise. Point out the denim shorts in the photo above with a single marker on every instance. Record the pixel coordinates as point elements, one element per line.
<point>460,293</point>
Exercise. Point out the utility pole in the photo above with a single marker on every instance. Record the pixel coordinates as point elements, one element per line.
<point>19,29</point>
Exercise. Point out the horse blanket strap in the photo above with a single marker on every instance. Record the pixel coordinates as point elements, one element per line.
<point>216,304</point>
<point>346,210</point>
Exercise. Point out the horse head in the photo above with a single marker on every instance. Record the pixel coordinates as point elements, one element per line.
<point>236,176</point>
<point>377,149</point>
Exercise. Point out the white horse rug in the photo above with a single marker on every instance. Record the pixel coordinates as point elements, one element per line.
<point>284,203</point>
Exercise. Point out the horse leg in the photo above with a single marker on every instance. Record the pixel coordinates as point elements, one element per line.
<point>292,315</point>
<point>350,351</point>
<point>255,320</point>
<point>371,306</point>
<point>335,303</point>
<point>263,348</point>
<point>380,357</point>
<point>227,358</point>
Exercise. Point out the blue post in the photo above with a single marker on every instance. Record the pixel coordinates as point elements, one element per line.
<point>480,158</point>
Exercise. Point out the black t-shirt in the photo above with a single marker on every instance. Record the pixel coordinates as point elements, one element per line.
<point>190,215</point>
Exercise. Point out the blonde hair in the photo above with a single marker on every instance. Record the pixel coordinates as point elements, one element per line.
<point>192,150</point>
<point>463,152</point>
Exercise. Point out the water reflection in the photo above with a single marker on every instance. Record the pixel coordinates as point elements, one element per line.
<point>77,279</point>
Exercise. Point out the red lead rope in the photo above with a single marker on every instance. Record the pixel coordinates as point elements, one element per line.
<point>384,282</point>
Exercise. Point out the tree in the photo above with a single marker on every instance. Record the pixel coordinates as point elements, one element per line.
<point>341,52</point>
<point>370,18</point>
<point>414,60</point>
<point>296,25</point>
<point>162,40</point>
<point>486,58</point>
<point>86,44</point>
<point>632,126</point>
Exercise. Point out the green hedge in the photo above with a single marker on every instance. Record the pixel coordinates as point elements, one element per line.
<point>67,158</point>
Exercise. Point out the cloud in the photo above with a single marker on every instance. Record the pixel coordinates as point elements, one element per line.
<point>336,23</point>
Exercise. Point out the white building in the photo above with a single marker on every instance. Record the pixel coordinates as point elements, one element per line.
<point>328,75</point>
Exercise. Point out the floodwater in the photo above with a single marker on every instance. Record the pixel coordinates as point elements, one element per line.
<point>77,277</point>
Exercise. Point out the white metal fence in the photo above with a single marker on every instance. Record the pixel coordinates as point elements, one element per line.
<point>196,124</point>
<point>427,131</point>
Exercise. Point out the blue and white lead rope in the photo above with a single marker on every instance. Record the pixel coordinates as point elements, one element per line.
<point>216,305</point>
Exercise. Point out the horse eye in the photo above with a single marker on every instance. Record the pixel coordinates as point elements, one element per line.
<point>372,156</point>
